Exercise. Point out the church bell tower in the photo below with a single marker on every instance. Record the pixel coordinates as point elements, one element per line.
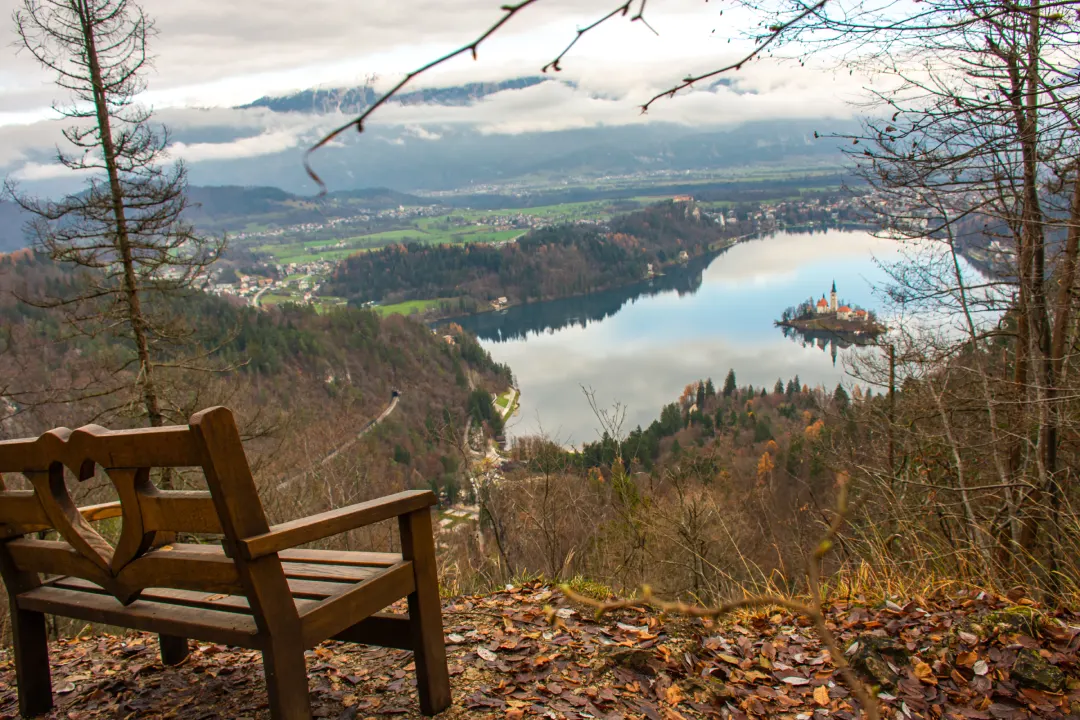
<point>832,298</point>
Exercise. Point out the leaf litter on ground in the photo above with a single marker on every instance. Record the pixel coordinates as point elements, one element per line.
<point>962,657</point>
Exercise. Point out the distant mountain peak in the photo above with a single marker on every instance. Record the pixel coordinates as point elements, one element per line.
<point>354,100</point>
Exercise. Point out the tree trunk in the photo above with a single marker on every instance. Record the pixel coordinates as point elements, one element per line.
<point>123,244</point>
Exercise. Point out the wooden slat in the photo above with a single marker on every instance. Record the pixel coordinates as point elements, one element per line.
<point>340,557</point>
<point>172,446</point>
<point>52,557</point>
<point>188,598</point>
<point>334,522</point>
<point>21,514</point>
<point>329,573</point>
<point>176,567</point>
<point>381,629</point>
<point>177,511</point>
<point>302,591</point>
<point>21,508</point>
<point>172,566</point>
<point>341,612</point>
<point>229,628</point>
<point>314,589</point>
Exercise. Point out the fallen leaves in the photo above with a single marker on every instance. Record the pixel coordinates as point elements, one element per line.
<point>507,660</point>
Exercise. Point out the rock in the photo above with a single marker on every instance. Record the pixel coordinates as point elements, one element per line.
<point>875,657</point>
<point>1014,619</point>
<point>1030,670</point>
<point>631,658</point>
<point>717,690</point>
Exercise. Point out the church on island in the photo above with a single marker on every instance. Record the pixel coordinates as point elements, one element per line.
<point>842,312</point>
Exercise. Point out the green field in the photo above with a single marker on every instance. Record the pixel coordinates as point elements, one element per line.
<point>408,307</point>
<point>460,226</point>
<point>299,252</point>
<point>457,227</point>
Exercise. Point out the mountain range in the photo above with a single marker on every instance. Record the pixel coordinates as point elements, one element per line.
<point>356,100</point>
<point>440,157</point>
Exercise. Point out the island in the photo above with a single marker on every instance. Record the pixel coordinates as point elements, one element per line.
<point>849,323</point>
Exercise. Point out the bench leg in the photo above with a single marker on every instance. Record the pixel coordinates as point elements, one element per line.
<point>287,681</point>
<point>425,613</point>
<point>31,662</point>
<point>174,650</point>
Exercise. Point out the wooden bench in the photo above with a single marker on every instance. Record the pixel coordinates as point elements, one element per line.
<point>255,589</point>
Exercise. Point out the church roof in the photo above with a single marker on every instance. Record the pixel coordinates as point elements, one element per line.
<point>822,303</point>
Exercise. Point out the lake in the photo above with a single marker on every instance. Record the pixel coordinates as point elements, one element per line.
<point>639,346</point>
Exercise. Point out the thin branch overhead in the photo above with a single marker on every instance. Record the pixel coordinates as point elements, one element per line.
<point>509,11</point>
<point>775,31</point>
<point>621,10</point>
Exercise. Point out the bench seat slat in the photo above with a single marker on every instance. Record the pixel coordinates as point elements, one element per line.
<point>340,557</point>
<point>227,628</point>
<point>182,567</point>
<point>329,573</point>
<point>306,593</point>
<point>310,555</point>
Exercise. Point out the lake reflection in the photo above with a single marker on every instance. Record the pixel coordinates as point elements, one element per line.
<point>640,346</point>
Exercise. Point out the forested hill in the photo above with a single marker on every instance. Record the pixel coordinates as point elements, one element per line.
<point>546,263</point>
<point>301,383</point>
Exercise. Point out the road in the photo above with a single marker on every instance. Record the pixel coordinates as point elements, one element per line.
<point>371,425</point>
<point>256,296</point>
<point>364,430</point>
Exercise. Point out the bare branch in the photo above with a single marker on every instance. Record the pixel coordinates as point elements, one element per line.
<point>509,11</point>
<point>775,32</point>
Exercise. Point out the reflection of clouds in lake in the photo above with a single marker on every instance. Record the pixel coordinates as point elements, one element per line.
<point>643,351</point>
<point>786,255</point>
<point>551,376</point>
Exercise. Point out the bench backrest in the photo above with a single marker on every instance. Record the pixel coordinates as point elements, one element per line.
<point>143,556</point>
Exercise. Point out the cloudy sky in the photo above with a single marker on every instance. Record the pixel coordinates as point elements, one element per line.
<point>212,55</point>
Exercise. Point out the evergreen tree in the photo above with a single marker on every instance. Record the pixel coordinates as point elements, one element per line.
<point>762,431</point>
<point>840,398</point>
<point>778,389</point>
<point>729,383</point>
<point>700,395</point>
<point>710,389</point>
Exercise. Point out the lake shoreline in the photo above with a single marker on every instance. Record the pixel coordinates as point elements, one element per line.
<point>866,328</point>
<point>638,346</point>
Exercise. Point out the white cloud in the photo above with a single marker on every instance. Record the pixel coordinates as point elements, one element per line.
<point>33,171</point>
<point>267,143</point>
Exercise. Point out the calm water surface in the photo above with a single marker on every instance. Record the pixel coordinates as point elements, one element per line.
<point>640,346</point>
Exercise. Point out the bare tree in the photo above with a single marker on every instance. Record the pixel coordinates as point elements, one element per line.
<point>125,231</point>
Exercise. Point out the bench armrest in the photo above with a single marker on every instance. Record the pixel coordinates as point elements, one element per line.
<point>334,522</point>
